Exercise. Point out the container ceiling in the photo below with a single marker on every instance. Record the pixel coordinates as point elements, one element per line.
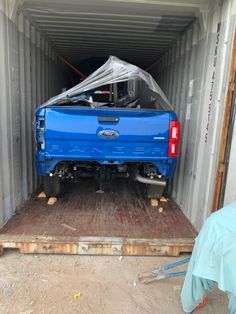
<point>135,30</point>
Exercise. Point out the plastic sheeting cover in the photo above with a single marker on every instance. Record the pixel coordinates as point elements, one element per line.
<point>115,71</point>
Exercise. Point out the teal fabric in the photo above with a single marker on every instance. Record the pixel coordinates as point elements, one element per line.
<point>232,304</point>
<point>213,260</point>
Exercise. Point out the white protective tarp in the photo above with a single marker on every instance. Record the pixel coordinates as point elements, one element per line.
<point>115,71</point>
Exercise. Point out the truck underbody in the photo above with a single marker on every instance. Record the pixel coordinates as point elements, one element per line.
<point>152,181</point>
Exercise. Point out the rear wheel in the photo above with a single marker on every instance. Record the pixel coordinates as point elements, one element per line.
<point>153,191</point>
<point>52,186</point>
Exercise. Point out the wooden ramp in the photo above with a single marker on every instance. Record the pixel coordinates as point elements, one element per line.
<point>117,222</point>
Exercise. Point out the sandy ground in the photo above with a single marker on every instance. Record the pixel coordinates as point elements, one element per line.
<point>45,284</point>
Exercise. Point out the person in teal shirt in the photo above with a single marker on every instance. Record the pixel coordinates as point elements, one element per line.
<point>213,261</point>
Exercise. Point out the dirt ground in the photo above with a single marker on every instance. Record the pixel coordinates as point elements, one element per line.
<point>46,284</point>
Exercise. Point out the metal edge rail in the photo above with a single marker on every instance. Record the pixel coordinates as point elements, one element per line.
<point>95,245</point>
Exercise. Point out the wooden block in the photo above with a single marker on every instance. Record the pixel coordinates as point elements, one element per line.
<point>42,195</point>
<point>163,199</point>
<point>154,202</point>
<point>52,200</point>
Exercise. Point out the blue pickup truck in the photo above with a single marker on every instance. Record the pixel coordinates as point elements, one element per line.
<point>111,125</point>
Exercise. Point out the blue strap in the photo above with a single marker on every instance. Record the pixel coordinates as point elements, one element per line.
<point>169,266</point>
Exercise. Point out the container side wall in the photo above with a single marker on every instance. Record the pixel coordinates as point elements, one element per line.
<point>6,184</point>
<point>27,68</point>
<point>194,74</point>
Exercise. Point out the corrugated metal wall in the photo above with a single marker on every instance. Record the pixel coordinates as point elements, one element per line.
<point>194,73</point>
<point>30,73</point>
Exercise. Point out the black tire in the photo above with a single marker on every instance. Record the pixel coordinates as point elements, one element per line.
<point>153,191</point>
<point>52,186</point>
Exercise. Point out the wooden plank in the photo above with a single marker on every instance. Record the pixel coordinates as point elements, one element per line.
<point>96,245</point>
<point>225,131</point>
<point>118,222</point>
<point>120,212</point>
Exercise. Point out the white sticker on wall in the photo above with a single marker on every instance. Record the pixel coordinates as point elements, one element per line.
<point>190,88</point>
<point>188,112</point>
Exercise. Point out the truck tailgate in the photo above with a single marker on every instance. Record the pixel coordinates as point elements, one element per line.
<point>102,134</point>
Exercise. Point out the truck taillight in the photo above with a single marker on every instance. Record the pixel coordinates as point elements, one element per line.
<point>174,138</point>
<point>40,128</point>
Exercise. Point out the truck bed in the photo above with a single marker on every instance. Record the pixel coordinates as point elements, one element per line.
<point>119,221</point>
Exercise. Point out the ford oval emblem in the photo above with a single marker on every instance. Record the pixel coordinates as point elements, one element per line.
<point>108,134</point>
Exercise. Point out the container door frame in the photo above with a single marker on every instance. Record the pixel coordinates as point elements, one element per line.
<point>221,172</point>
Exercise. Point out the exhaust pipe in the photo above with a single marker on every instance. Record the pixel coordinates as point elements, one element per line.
<point>141,179</point>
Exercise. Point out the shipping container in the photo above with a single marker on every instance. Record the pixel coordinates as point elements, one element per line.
<point>189,47</point>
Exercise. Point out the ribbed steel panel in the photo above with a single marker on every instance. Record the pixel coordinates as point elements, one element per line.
<point>194,73</point>
<point>26,69</point>
<point>191,40</point>
<point>131,30</point>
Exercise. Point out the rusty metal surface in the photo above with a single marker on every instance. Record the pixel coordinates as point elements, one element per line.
<point>118,222</point>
